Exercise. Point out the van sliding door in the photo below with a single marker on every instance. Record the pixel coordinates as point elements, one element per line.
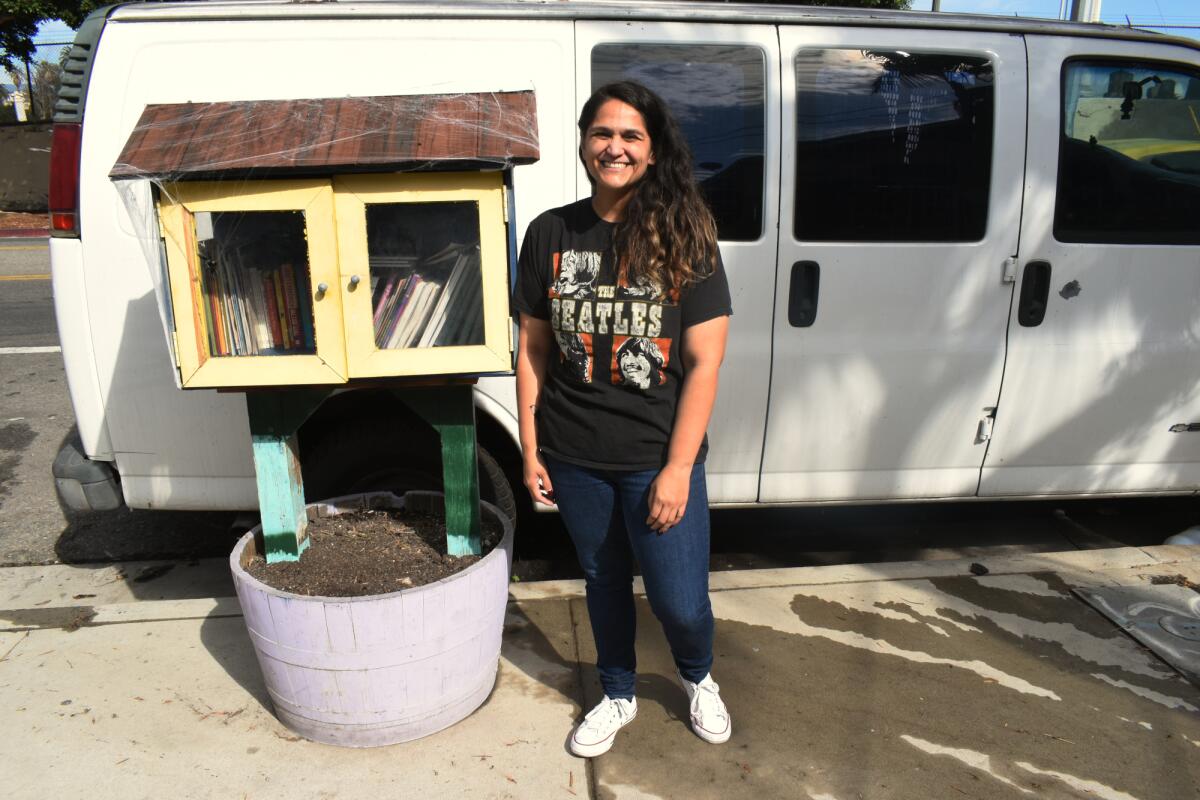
<point>722,82</point>
<point>1102,388</point>
<point>903,160</point>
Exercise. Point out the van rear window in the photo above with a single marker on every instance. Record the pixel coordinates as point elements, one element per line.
<point>892,146</point>
<point>1129,156</point>
<point>718,94</point>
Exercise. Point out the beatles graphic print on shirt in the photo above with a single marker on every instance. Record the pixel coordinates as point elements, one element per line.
<point>613,383</point>
<point>581,308</point>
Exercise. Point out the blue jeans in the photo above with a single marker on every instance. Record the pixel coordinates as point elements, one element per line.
<point>605,513</point>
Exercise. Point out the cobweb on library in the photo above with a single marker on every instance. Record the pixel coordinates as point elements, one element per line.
<point>424,258</point>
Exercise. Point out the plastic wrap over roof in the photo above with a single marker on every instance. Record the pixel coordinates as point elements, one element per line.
<point>485,130</point>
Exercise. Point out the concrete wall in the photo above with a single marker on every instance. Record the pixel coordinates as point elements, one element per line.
<point>24,167</point>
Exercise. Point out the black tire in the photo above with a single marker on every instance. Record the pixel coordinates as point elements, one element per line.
<point>378,454</point>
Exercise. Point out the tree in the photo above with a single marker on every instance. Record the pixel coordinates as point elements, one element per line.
<point>19,20</point>
<point>47,76</point>
<point>7,112</point>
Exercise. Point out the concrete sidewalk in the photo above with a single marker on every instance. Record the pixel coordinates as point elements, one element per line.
<point>904,680</point>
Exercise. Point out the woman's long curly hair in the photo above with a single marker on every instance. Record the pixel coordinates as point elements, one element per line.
<point>668,237</point>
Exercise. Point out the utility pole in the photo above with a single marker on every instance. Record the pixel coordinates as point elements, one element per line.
<point>937,5</point>
<point>1085,10</point>
<point>29,91</point>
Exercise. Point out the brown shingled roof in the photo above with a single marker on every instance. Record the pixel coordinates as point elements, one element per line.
<point>192,140</point>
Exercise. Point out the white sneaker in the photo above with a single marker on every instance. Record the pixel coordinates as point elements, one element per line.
<point>710,718</point>
<point>595,735</point>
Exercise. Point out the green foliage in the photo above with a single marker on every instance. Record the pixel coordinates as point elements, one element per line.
<point>7,112</point>
<point>46,79</point>
<point>19,20</point>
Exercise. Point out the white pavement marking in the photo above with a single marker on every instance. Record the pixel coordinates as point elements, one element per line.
<point>18,351</point>
<point>979,761</point>
<point>1089,787</point>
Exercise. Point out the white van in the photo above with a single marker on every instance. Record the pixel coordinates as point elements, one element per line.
<point>964,252</point>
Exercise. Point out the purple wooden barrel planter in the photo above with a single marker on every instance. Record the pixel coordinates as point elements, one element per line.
<point>386,668</point>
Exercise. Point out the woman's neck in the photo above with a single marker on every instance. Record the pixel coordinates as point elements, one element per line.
<point>610,206</point>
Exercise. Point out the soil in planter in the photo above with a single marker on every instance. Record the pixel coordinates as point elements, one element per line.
<point>371,552</point>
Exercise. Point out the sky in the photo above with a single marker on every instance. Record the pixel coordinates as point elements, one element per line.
<point>1142,13</point>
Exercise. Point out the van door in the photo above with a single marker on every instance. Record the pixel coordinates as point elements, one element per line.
<point>903,157</point>
<point>1102,388</point>
<point>722,82</point>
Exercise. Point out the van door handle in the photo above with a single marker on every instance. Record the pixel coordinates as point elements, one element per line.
<point>1035,291</point>
<point>803,294</point>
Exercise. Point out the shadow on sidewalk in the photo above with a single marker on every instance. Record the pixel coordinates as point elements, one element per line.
<point>226,640</point>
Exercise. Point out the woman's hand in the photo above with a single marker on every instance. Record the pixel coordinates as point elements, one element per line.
<point>537,480</point>
<point>533,354</point>
<point>668,497</point>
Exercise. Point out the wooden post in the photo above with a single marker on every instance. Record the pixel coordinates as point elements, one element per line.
<point>451,411</point>
<point>275,416</point>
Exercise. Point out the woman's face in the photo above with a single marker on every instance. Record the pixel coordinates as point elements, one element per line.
<point>616,148</point>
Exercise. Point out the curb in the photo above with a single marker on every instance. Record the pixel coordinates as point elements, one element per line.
<point>24,233</point>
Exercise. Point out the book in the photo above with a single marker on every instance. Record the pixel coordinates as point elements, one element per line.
<point>292,298</point>
<point>272,311</point>
<point>262,326</point>
<point>438,317</point>
<point>285,339</point>
<point>412,284</point>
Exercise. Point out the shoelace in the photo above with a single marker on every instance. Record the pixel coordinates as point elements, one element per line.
<point>607,713</point>
<point>706,703</point>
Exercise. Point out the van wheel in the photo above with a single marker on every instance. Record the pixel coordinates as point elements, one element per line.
<point>380,455</point>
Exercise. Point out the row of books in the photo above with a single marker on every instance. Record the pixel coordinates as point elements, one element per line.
<point>434,303</point>
<point>257,311</point>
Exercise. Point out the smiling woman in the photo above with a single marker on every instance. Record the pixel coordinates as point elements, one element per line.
<point>623,307</point>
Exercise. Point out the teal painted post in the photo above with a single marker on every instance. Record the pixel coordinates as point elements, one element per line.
<point>275,416</point>
<point>451,411</point>
<point>280,497</point>
<point>460,472</point>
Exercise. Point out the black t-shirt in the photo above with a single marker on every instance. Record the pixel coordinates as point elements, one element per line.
<point>614,380</point>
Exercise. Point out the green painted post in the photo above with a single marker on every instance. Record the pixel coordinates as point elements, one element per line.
<point>275,416</point>
<point>451,411</point>
<point>280,497</point>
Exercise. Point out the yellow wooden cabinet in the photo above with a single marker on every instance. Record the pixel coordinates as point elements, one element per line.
<point>435,250</point>
<point>322,281</point>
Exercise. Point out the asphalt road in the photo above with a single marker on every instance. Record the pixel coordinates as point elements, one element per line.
<point>36,417</point>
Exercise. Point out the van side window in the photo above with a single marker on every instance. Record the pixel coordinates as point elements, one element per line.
<point>717,93</point>
<point>892,146</point>
<point>1129,157</point>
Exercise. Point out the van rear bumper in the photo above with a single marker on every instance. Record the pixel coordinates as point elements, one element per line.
<point>83,484</point>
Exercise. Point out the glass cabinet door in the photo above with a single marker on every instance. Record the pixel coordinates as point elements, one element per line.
<point>424,273</point>
<point>251,268</point>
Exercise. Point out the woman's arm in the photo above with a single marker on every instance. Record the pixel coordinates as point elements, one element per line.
<point>533,354</point>
<point>703,352</point>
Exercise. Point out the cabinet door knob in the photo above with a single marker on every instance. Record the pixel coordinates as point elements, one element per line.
<point>354,281</point>
<point>322,288</point>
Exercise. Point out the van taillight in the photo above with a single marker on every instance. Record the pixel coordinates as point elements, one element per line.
<point>64,179</point>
